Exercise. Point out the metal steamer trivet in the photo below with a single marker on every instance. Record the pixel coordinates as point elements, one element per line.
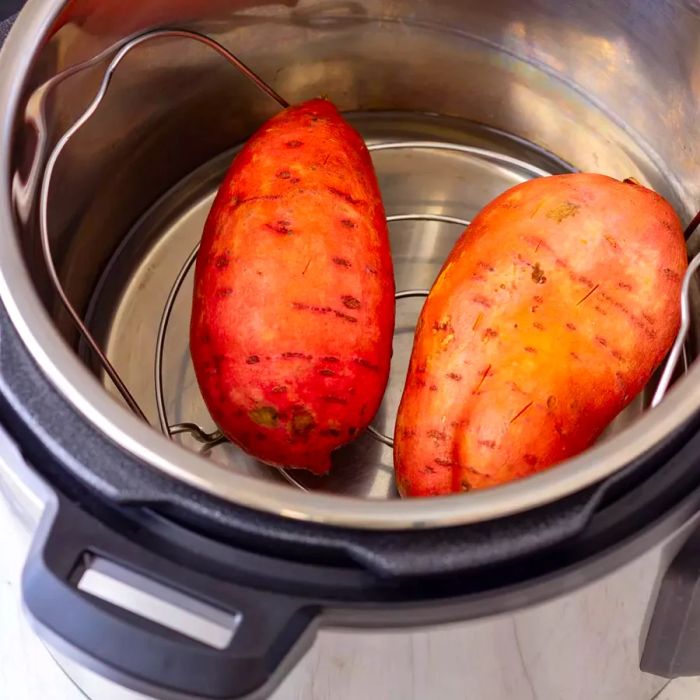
<point>209,440</point>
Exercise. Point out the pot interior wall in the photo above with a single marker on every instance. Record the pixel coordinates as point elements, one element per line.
<point>603,86</point>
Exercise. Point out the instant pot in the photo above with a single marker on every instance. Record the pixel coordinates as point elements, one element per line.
<point>167,563</point>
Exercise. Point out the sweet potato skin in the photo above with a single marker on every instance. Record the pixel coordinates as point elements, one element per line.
<point>548,317</point>
<point>293,312</point>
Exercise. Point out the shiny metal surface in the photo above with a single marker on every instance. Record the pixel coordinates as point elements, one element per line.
<point>55,154</point>
<point>560,649</point>
<point>607,86</point>
<point>679,343</point>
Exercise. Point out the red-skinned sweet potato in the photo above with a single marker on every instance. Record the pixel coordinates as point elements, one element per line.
<point>293,311</point>
<point>548,317</point>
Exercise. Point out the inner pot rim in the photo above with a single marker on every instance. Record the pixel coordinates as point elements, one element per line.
<point>82,389</point>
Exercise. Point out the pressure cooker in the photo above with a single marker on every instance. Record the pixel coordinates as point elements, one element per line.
<point>166,561</point>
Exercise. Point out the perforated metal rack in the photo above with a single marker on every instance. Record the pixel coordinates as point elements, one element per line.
<point>210,439</point>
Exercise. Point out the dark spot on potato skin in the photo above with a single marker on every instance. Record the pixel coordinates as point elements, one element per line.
<point>331,432</point>
<point>348,223</point>
<point>436,435</point>
<point>538,276</point>
<point>454,376</point>
<point>538,325</point>
<point>489,444</point>
<point>252,360</point>
<point>670,274</point>
<point>295,144</point>
<point>443,326</point>
<point>330,398</point>
<point>284,174</point>
<point>530,349</point>
<point>323,310</point>
<point>366,364</point>
<point>279,389</point>
<point>266,416</point>
<point>625,285</point>
<point>432,387</point>
<point>327,372</point>
<point>563,211</point>
<point>295,356</point>
<point>617,355</point>
<point>345,317</point>
<point>302,421</point>
<point>601,341</point>
<point>571,326</point>
<point>342,262</point>
<point>443,462</point>
<point>530,460</point>
<point>551,402</point>
<point>260,197</point>
<point>222,261</point>
<point>224,292</point>
<point>344,195</point>
<point>482,301</point>
<point>330,358</point>
<point>350,301</point>
<point>283,227</point>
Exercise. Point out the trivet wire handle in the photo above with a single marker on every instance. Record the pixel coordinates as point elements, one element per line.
<point>122,51</point>
<point>679,342</point>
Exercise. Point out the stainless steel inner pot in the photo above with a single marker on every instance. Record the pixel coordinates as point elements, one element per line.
<point>542,86</point>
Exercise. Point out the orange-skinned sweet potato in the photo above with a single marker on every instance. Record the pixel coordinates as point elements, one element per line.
<point>549,315</point>
<point>293,311</point>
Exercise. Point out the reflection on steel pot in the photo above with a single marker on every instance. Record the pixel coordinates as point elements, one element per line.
<point>457,101</point>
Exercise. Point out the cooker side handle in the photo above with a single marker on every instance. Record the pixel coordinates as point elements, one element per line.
<point>150,624</point>
<point>672,647</point>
